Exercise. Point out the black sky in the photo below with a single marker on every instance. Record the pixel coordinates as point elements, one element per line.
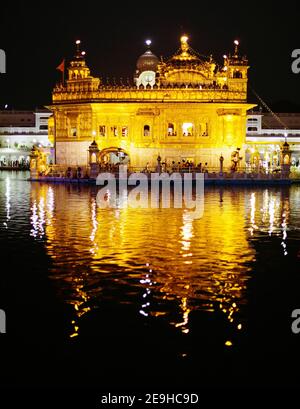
<point>36,37</point>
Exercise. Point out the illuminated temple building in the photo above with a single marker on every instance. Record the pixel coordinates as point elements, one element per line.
<point>186,107</point>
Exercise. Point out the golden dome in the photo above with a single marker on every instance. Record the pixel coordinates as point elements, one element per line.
<point>186,67</point>
<point>147,62</point>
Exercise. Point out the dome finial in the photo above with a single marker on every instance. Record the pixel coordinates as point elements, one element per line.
<point>184,42</point>
<point>148,42</point>
<point>236,48</point>
<point>78,52</point>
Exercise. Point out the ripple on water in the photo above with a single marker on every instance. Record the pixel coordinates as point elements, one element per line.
<point>160,262</point>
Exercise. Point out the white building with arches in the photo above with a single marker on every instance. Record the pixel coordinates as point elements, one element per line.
<point>19,132</point>
<point>265,134</point>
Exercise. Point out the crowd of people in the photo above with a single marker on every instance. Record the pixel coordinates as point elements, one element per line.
<point>181,166</point>
<point>14,164</point>
<point>110,167</point>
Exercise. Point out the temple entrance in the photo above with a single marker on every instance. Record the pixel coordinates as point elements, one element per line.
<point>113,156</point>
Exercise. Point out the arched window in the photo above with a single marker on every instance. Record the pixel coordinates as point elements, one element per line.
<point>204,129</point>
<point>114,130</point>
<point>146,130</point>
<point>187,129</point>
<point>237,74</point>
<point>171,129</point>
<point>102,130</point>
<point>74,132</point>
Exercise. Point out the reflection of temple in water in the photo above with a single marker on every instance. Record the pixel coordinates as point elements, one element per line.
<point>164,256</point>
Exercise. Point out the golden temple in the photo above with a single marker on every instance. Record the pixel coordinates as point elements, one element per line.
<point>184,108</point>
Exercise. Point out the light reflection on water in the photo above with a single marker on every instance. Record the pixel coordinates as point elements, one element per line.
<point>200,264</point>
<point>162,262</point>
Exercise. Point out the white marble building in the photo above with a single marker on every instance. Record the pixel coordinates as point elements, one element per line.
<point>19,131</point>
<point>265,134</point>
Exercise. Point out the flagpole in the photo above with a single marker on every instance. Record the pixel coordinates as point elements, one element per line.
<point>63,72</point>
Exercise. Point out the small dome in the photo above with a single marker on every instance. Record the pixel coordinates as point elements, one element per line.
<point>147,62</point>
<point>93,145</point>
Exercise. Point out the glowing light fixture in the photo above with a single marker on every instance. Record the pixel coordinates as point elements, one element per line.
<point>148,42</point>
<point>236,42</point>
<point>78,42</point>
<point>184,39</point>
<point>225,56</point>
<point>82,52</point>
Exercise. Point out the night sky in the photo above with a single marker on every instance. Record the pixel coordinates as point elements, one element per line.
<point>36,37</point>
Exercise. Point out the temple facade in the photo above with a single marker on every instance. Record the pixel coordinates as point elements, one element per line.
<point>186,107</point>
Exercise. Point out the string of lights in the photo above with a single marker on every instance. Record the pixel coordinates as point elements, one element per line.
<point>268,108</point>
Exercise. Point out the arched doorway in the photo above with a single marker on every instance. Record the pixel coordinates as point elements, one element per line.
<point>113,156</point>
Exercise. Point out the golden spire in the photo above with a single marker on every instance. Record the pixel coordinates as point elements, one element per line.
<point>184,53</point>
<point>184,43</point>
<point>236,48</point>
<point>78,52</point>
